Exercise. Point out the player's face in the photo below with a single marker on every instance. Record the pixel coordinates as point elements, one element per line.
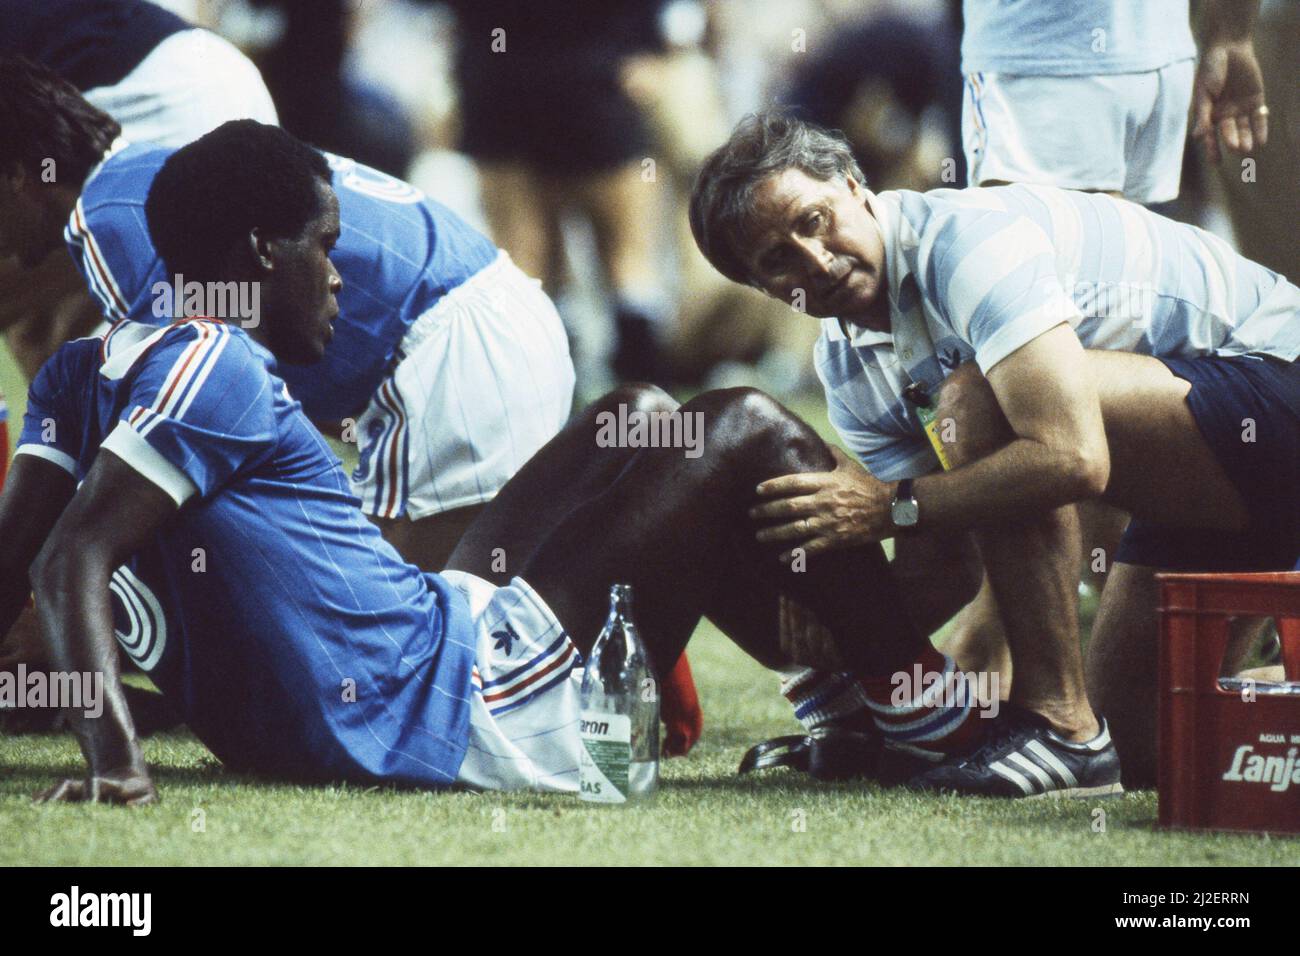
<point>300,293</point>
<point>816,243</point>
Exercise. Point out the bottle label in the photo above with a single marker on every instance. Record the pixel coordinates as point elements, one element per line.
<point>606,754</point>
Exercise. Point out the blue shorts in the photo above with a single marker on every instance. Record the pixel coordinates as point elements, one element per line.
<point>1229,394</point>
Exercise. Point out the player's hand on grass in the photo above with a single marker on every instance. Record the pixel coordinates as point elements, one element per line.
<point>1228,100</point>
<point>825,511</point>
<point>129,787</point>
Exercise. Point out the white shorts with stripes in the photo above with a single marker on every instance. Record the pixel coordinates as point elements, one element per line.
<point>1122,133</point>
<point>524,709</point>
<point>482,381</point>
<point>188,85</point>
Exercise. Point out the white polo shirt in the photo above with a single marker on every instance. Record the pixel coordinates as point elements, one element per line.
<point>977,273</point>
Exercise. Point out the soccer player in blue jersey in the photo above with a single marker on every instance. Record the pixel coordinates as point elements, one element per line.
<point>1070,346</point>
<point>169,496</point>
<point>453,363</point>
<point>450,367</point>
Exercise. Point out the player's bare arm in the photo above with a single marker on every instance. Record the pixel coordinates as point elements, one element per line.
<point>1058,455</point>
<point>113,514</point>
<point>35,493</point>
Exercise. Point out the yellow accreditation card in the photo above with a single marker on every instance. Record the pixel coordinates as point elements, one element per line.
<point>917,395</point>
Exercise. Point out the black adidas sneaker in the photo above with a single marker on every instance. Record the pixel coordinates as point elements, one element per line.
<point>1023,757</point>
<point>827,753</point>
<point>837,752</point>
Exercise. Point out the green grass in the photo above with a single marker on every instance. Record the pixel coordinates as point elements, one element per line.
<point>703,814</point>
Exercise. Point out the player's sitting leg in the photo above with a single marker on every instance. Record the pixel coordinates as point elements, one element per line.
<point>677,528</point>
<point>573,467</point>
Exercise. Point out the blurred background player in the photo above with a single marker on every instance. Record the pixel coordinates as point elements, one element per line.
<point>546,117</point>
<point>319,99</point>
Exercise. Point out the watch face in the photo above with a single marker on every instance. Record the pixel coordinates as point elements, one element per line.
<point>905,513</point>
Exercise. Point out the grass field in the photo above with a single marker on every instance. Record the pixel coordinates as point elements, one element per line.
<point>704,813</point>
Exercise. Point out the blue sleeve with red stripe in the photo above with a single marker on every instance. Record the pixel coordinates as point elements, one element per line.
<point>53,425</point>
<point>108,236</point>
<point>203,397</point>
<point>111,248</point>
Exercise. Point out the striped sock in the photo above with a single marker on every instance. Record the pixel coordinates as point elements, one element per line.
<point>916,708</point>
<point>820,698</point>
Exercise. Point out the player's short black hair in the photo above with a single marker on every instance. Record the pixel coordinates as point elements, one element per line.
<point>210,193</point>
<point>43,118</point>
<point>762,144</point>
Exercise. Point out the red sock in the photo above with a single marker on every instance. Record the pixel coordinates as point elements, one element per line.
<point>929,705</point>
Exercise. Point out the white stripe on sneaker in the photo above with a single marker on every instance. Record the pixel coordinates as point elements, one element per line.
<point>1050,759</point>
<point>1021,760</point>
<point>1003,770</point>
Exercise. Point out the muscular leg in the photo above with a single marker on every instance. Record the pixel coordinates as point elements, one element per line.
<point>567,471</point>
<point>1032,567</point>
<point>978,642</point>
<point>1121,669</point>
<point>428,542</point>
<point>522,218</point>
<point>670,525</point>
<point>1161,470</point>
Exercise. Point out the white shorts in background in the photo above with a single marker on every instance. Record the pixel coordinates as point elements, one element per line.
<point>524,708</point>
<point>188,85</point>
<point>481,382</point>
<point>1122,132</point>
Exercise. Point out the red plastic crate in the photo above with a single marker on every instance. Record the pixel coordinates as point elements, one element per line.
<point>1226,763</point>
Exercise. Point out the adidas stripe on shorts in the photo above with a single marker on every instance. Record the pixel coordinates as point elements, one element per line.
<point>524,704</point>
<point>481,381</point>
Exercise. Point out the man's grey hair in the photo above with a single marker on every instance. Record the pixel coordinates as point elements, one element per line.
<point>762,144</point>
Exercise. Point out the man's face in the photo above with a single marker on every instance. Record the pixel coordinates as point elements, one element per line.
<point>299,292</point>
<point>818,237</point>
<point>26,228</point>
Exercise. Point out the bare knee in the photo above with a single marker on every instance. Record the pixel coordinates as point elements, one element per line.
<point>756,425</point>
<point>970,420</point>
<point>634,397</point>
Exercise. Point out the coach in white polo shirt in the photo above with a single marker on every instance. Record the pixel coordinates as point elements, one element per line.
<point>1074,346</point>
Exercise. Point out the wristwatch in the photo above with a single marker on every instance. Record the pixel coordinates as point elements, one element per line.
<point>904,509</point>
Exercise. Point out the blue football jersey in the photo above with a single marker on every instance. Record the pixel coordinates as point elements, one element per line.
<point>398,253</point>
<point>291,637</point>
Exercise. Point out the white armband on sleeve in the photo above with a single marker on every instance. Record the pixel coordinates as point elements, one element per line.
<point>125,442</point>
<point>62,459</point>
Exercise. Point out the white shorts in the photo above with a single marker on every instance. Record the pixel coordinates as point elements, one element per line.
<point>524,708</point>
<point>482,381</point>
<point>1121,132</point>
<point>188,85</point>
